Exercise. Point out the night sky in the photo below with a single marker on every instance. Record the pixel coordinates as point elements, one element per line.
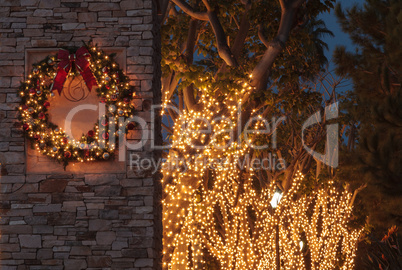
<point>340,38</point>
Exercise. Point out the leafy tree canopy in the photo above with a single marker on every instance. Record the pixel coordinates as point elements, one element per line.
<point>375,105</point>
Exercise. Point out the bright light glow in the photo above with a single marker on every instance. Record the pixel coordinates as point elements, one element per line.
<point>301,245</point>
<point>230,220</point>
<point>276,198</point>
<point>36,98</point>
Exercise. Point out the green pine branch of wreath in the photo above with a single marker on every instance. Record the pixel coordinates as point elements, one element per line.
<point>113,90</point>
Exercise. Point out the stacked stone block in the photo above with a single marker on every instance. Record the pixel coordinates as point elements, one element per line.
<point>77,221</point>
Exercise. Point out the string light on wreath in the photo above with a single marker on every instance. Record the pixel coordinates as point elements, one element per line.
<point>100,72</point>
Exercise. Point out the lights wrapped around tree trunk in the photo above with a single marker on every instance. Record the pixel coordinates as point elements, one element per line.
<point>212,211</point>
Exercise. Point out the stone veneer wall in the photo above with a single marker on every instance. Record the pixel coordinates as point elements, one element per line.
<point>65,220</point>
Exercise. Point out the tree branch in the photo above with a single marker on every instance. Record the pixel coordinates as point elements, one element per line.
<point>289,9</point>
<point>221,43</point>
<point>168,129</point>
<point>261,36</point>
<point>202,16</point>
<point>172,114</point>
<point>206,4</point>
<point>188,95</point>
<point>222,46</point>
<point>355,194</point>
<point>169,84</point>
<point>240,38</point>
<point>188,92</point>
<point>235,20</point>
<point>242,34</point>
<point>191,39</point>
<point>181,101</point>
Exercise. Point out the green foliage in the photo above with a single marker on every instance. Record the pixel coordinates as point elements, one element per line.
<point>300,61</point>
<point>302,58</point>
<point>375,106</point>
<point>385,254</point>
<point>289,91</point>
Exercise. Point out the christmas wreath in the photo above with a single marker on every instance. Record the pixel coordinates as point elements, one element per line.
<point>99,71</point>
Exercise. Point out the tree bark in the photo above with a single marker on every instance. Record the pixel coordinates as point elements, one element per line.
<point>289,9</point>
<point>202,16</point>
<point>221,42</point>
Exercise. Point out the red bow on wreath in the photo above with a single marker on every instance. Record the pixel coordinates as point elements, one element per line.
<point>79,59</point>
